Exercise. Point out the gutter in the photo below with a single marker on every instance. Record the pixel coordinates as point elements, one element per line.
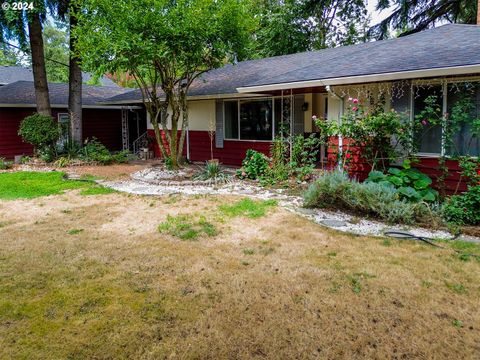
<point>340,114</point>
<point>347,80</point>
<point>60,106</point>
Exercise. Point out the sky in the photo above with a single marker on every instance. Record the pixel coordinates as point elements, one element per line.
<point>376,16</point>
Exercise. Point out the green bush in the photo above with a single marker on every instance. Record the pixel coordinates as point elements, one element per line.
<point>94,150</point>
<point>213,171</point>
<point>39,130</point>
<point>4,164</point>
<point>254,166</point>
<point>335,190</point>
<point>410,183</point>
<point>463,209</point>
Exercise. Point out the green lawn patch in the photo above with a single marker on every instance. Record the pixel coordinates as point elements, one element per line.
<point>31,184</point>
<point>248,208</point>
<point>183,227</point>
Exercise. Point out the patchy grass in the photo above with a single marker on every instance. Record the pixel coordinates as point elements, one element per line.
<point>247,208</point>
<point>278,287</point>
<point>183,227</point>
<point>97,190</point>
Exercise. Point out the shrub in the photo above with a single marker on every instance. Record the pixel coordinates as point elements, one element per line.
<point>336,190</point>
<point>39,130</point>
<point>410,183</point>
<point>463,209</point>
<point>4,164</point>
<point>254,165</point>
<point>94,150</point>
<point>213,171</point>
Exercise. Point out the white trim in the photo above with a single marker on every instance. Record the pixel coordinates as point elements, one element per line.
<point>400,75</point>
<point>57,106</point>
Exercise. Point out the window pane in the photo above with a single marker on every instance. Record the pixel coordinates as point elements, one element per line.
<point>463,107</point>
<point>256,120</point>
<point>231,119</point>
<point>430,136</point>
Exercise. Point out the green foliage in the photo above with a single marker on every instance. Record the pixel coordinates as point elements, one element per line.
<point>254,166</point>
<point>247,208</point>
<point>164,45</point>
<point>411,16</point>
<point>95,151</point>
<point>57,52</point>
<point>4,164</point>
<point>279,169</point>
<point>39,130</point>
<point>304,156</point>
<point>381,136</point>
<point>335,190</point>
<point>184,228</point>
<point>463,209</point>
<point>213,172</point>
<point>410,183</point>
<point>310,25</point>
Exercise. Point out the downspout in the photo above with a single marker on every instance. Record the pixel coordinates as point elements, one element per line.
<point>188,143</point>
<point>340,114</point>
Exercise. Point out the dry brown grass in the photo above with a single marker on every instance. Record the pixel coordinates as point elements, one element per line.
<point>275,287</point>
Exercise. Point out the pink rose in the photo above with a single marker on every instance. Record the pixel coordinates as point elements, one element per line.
<point>350,99</point>
<point>314,117</point>
<point>355,108</point>
<point>424,122</point>
<point>355,101</point>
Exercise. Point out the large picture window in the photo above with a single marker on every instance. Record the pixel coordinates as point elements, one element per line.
<point>461,103</point>
<point>249,119</point>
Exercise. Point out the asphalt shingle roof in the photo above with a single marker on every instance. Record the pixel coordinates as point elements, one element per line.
<point>10,74</point>
<point>444,46</point>
<point>23,93</point>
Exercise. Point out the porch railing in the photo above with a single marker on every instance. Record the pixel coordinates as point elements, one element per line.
<point>139,143</point>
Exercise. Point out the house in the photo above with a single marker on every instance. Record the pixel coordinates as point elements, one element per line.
<point>11,74</point>
<point>247,103</point>
<point>112,125</point>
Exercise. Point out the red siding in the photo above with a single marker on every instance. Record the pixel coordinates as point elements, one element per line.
<point>429,166</point>
<point>105,125</point>
<point>10,143</point>
<point>232,153</point>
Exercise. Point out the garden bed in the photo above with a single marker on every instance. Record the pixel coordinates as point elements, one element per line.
<point>159,181</point>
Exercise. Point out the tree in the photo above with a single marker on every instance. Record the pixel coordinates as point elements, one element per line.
<point>55,41</point>
<point>410,16</point>
<point>165,45</point>
<point>291,26</point>
<point>14,25</point>
<point>8,56</point>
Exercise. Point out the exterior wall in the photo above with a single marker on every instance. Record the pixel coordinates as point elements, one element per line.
<point>105,125</point>
<point>360,169</point>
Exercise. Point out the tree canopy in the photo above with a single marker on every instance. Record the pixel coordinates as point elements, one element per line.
<point>409,16</point>
<point>165,45</point>
<point>290,26</point>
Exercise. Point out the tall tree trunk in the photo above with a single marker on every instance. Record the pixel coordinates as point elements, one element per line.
<point>75,89</point>
<point>478,12</point>
<point>38,65</point>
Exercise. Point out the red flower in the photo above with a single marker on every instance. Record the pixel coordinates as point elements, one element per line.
<point>348,155</point>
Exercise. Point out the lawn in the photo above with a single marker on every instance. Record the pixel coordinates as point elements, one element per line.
<point>29,185</point>
<point>114,276</point>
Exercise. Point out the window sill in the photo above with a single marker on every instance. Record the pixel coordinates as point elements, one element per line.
<point>243,140</point>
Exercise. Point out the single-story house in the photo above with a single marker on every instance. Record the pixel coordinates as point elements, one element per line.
<point>114,126</point>
<point>247,102</point>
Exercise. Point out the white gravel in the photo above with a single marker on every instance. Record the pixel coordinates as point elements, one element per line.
<point>292,203</point>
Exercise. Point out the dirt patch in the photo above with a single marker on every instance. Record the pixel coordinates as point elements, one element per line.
<point>277,286</point>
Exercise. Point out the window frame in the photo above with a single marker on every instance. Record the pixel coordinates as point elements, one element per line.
<point>237,101</point>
